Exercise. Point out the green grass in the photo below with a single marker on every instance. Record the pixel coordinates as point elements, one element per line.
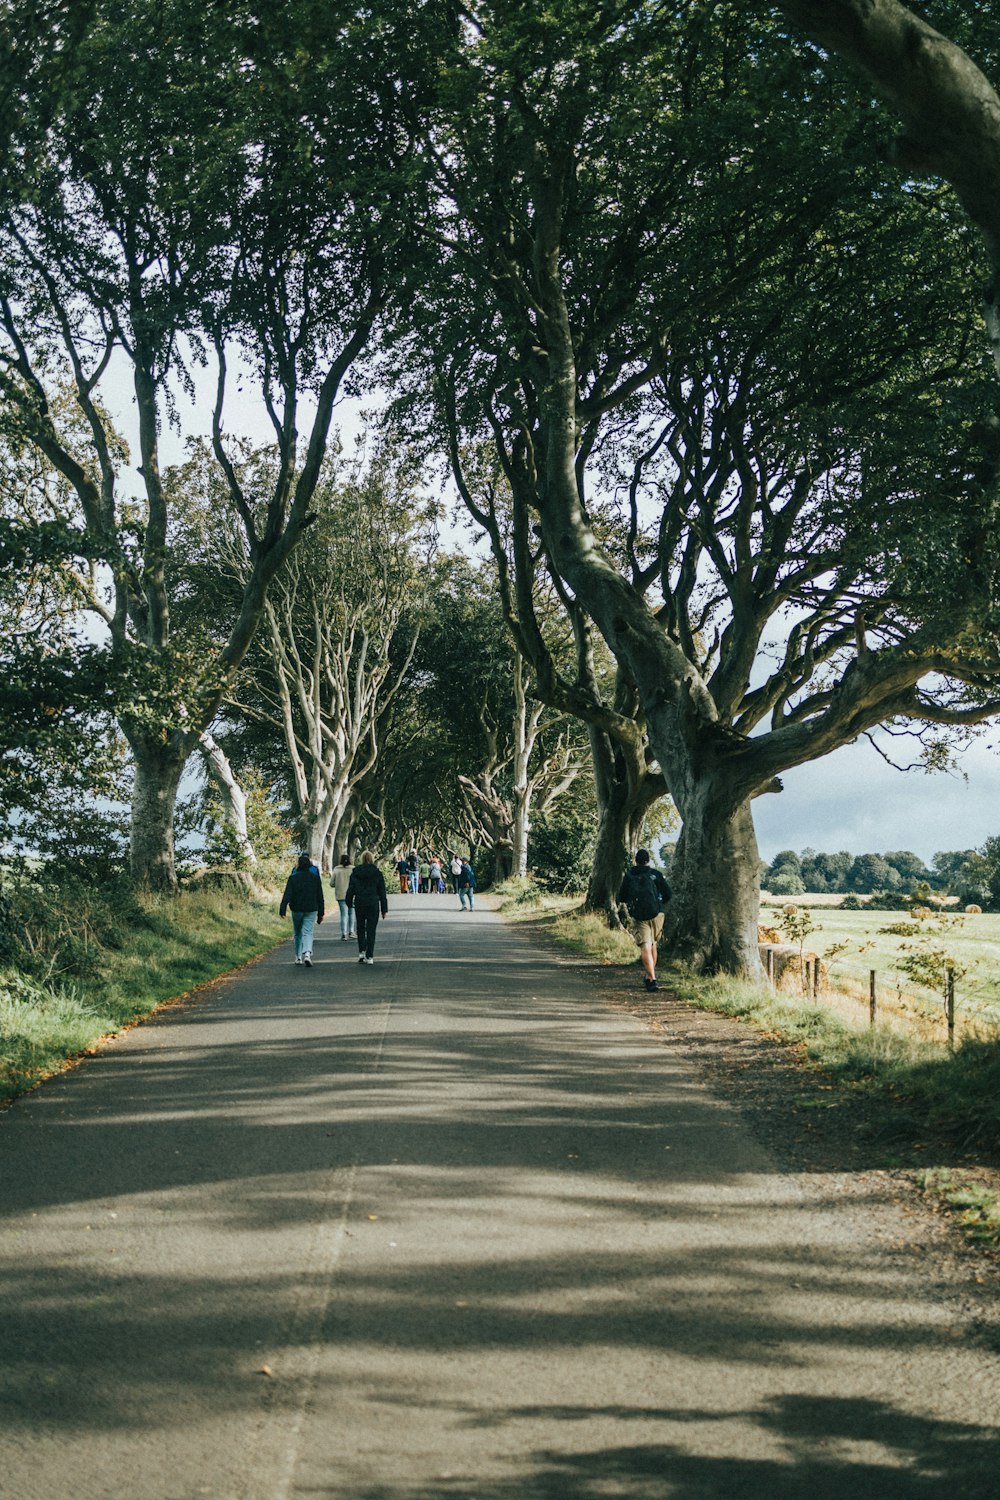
<point>975,1204</point>
<point>852,943</point>
<point>584,932</point>
<point>159,950</point>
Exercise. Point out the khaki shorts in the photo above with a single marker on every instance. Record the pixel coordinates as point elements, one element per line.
<point>647,933</point>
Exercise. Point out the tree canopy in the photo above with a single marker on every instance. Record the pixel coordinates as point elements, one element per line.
<point>707,367</point>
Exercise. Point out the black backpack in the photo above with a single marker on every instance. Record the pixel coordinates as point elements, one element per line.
<point>643,896</point>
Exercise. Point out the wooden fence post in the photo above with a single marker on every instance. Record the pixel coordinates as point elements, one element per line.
<point>871,997</point>
<point>770,967</point>
<point>950,1005</point>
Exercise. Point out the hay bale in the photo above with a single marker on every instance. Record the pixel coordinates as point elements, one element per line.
<point>768,934</point>
<point>974,910</point>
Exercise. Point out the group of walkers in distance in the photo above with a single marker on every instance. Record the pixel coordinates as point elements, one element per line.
<point>429,876</point>
<point>362,898</point>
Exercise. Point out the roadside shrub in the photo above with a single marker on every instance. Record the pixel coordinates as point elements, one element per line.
<point>851,903</point>
<point>518,890</point>
<point>562,851</point>
<point>60,924</point>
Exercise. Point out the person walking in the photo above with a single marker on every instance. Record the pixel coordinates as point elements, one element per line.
<point>304,898</point>
<point>456,870</point>
<point>366,895</point>
<point>466,885</point>
<point>341,880</point>
<point>645,892</point>
<point>413,865</point>
<point>434,875</point>
<point>425,877</point>
<point>403,871</point>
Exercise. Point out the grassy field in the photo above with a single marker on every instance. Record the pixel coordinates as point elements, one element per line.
<point>909,956</point>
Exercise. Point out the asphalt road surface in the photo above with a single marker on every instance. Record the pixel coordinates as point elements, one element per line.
<point>449,1227</point>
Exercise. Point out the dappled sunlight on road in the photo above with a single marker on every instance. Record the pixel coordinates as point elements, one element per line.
<point>491,1217</point>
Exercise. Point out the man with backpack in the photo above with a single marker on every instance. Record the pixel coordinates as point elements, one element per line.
<point>645,892</point>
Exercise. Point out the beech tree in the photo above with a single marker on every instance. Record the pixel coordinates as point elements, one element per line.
<point>227,192</point>
<point>341,623</point>
<point>584,682</point>
<point>652,212</point>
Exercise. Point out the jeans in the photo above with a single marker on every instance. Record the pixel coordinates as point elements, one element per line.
<point>367,920</point>
<point>463,892</point>
<point>414,882</point>
<point>346,918</point>
<point>303,923</point>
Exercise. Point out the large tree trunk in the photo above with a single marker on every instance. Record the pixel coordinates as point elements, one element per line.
<point>522,827</point>
<point>503,861</point>
<point>712,917</point>
<point>610,850</point>
<point>234,801</point>
<point>158,770</point>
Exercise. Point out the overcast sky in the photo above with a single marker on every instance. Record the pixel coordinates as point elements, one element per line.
<point>852,800</point>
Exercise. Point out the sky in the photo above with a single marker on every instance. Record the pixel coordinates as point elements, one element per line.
<point>852,800</point>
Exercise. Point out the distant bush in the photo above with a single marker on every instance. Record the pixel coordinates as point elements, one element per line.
<point>888,901</point>
<point>851,903</point>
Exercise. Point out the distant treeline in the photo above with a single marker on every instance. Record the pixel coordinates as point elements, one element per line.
<point>973,875</point>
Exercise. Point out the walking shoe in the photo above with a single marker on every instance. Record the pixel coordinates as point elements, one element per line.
<point>298,960</point>
<point>651,984</point>
<point>343,937</point>
<point>307,959</point>
<point>369,960</point>
<point>361,960</point>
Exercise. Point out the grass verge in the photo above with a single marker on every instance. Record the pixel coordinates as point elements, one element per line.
<point>161,950</point>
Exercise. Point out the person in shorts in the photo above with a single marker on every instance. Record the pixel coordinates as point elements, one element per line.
<point>645,892</point>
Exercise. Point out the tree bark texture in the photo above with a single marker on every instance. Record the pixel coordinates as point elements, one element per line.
<point>712,917</point>
<point>158,770</point>
<point>234,802</point>
<point>625,792</point>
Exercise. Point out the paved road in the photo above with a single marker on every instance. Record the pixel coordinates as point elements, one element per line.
<point>489,1239</point>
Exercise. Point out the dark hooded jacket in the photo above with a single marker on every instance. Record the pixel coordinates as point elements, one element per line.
<point>367,888</point>
<point>303,892</point>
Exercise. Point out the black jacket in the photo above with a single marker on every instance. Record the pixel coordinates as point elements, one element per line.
<point>303,892</point>
<point>367,888</point>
